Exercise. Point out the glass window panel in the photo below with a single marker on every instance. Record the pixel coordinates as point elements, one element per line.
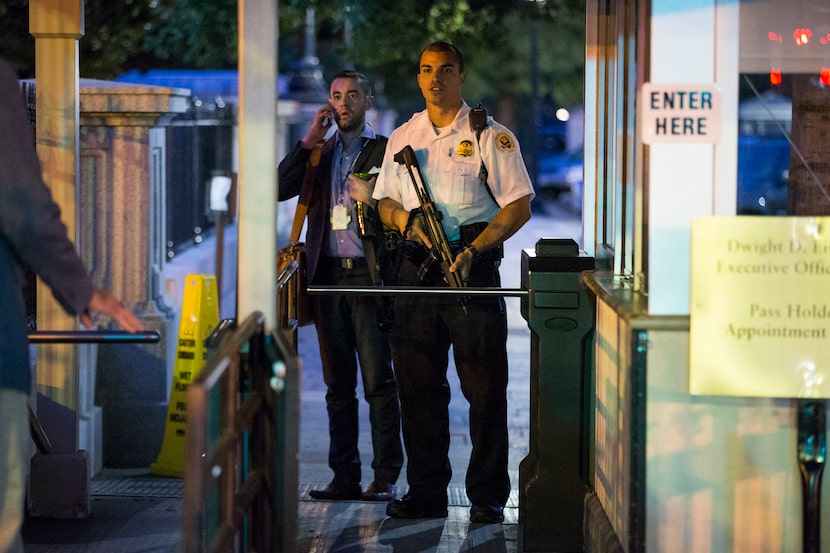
<point>784,102</point>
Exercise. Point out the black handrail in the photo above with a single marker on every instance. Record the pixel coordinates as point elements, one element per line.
<point>92,337</point>
<point>41,439</point>
<point>329,289</point>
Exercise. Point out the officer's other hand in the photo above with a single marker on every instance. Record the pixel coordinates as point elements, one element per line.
<point>418,233</point>
<point>462,264</point>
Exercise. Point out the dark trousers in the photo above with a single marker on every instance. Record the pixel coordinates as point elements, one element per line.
<point>347,331</point>
<point>425,328</point>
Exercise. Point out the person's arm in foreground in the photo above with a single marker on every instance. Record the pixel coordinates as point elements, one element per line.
<point>30,221</point>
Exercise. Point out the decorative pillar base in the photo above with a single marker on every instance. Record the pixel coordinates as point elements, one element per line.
<point>59,486</point>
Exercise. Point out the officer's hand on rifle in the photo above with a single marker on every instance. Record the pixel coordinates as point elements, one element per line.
<point>462,264</point>
<point>418,232</point>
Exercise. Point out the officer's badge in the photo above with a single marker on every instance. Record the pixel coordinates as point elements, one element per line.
<point>505,143</point>
<point>465,148</point>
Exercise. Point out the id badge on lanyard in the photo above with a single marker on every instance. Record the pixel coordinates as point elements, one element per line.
<point>340,217</point>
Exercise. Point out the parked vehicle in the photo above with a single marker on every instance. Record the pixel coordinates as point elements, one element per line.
<point>764,154</point>
<point>763,175</point>
<point>560,177</point>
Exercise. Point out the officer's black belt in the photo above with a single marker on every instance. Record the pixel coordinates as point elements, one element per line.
<point>346,262</point>
<point>456,247</point>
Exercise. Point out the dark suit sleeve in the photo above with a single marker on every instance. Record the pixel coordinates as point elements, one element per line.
<point>291,172</point>
<point>30,221</point>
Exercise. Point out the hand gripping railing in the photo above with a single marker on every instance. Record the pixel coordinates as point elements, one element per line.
<point>41,439</point>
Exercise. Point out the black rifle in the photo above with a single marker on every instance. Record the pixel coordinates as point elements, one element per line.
<point>440,251</point>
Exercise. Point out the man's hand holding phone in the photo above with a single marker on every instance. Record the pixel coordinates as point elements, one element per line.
<point>326,116</point>
<point>320,125</point>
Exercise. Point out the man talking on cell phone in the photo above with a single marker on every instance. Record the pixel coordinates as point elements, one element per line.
<point>340,251</point>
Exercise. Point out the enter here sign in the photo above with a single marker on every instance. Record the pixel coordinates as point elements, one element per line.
<point>680,113</point>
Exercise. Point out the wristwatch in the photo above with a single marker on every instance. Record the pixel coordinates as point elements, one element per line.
<point>474,251</point>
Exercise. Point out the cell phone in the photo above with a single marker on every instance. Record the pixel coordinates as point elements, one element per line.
<point>328,116</point>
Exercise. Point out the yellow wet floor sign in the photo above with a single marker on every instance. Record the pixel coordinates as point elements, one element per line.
<point>199,316</point>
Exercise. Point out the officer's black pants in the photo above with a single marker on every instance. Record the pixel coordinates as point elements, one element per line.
<point>425,328</point>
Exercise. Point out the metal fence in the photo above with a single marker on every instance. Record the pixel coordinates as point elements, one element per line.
<point>241,473</point>
<point>199,146</point>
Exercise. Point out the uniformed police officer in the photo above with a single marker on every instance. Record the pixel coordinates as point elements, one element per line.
<point>478,181</point>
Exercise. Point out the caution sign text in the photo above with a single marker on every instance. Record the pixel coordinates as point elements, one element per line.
<point>199,316</point>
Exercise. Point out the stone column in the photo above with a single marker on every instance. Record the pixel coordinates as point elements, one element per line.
<point>109,183</point>
<point>122,230</point>
<point>57,25</point>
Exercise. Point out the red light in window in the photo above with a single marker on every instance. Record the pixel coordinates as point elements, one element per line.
<point>802,36</point>
<point>775,37</point>
<point>775,76</point>
<point>824,76</point>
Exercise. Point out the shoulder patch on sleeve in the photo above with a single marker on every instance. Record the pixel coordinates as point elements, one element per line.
<point>505,143</point>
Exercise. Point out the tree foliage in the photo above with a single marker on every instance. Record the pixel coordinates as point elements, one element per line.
<point>17,46</point>
<point>384,40</point>
<point>198,35</point>
<point>379,37</point>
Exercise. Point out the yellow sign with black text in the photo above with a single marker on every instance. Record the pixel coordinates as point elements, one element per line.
<point>199,316</point>
<point>760,307</point>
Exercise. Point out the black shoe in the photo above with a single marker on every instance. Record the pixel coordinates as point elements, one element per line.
<point>337,490</point>
<point>411,507</point>
<point>488,514</point>
<point>379,491</point>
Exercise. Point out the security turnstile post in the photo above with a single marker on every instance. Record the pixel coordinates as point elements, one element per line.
<point>554,476</point>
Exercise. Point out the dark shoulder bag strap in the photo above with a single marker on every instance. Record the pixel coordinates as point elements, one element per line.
<point>369,249</point>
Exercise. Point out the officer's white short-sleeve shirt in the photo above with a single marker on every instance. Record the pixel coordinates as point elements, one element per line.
<point>450,161</point>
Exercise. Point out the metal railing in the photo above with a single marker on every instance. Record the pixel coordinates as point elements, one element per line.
<point>39,436</point>
<point>327,289</point>
<point>242,435</point>
<point>241,439</point>
<point>288,298</point>
<point>92,337</point>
